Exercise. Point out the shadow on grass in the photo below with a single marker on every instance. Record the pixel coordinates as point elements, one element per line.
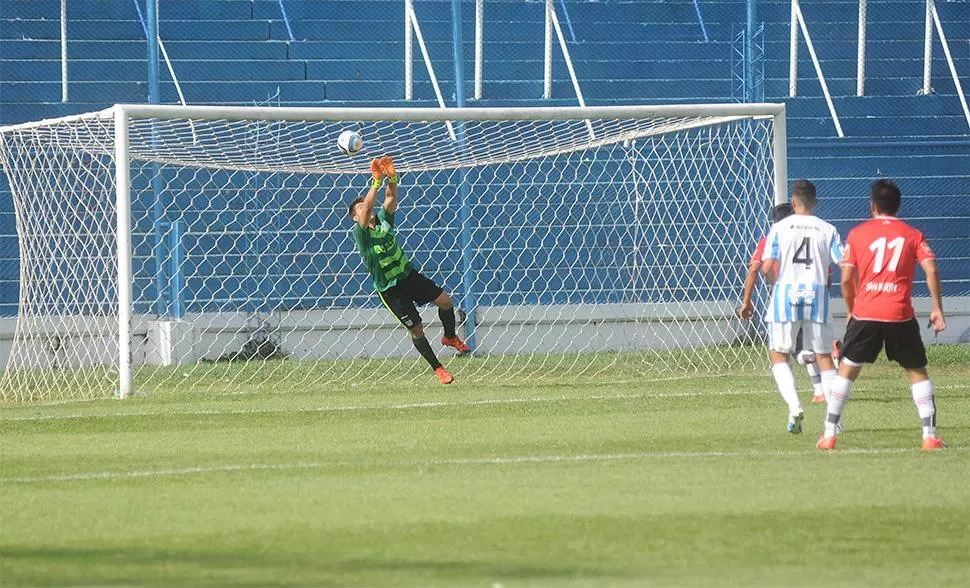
<point>141,566</point>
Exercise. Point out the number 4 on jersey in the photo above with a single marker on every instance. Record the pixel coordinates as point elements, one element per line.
<point>803,254</point>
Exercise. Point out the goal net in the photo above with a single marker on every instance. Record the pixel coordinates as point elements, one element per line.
<point>209,248</point>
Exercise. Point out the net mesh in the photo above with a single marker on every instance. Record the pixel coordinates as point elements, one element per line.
<point>571,247</point>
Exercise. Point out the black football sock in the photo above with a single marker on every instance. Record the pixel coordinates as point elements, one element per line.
<point>424,348</point>
<point>447,317</point>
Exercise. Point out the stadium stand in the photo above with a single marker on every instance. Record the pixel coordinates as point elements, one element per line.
<point>646,51</point>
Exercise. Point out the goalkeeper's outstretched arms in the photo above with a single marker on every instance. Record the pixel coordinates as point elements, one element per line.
<point>362,208</point>
<point>386,165</point>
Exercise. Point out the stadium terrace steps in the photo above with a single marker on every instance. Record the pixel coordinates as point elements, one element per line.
<point>117,70</point>
<point>167,9</point>
<point>131,29</point>
<point>121,50</point>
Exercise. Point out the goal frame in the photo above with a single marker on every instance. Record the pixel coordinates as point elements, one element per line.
<point>124,113</point>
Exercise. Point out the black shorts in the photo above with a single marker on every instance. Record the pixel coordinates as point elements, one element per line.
<point>401,298</point>
<point>864,340</point>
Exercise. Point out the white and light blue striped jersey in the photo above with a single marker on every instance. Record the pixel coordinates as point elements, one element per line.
<point>803,247</point>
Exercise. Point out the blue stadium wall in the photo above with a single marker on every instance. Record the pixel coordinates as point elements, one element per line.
<point>343,52</point>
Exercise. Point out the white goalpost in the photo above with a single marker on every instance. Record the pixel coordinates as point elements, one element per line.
<point>208,248</point>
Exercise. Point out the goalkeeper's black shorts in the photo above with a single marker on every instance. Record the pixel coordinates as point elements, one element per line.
<point>401,298</point>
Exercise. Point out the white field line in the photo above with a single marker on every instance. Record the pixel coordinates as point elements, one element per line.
<point>460,461</point>
<point>408,405</point>
<point>377,407</point>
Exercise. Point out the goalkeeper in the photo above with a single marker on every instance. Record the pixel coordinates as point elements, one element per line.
<point>398,283</point>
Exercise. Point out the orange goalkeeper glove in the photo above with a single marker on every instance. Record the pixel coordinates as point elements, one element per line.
<point>387,166</point>
<point>376,172</point>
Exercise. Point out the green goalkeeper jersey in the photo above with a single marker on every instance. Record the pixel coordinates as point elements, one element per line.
<point>378,246</point>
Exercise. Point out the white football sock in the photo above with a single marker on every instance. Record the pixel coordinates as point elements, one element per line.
<point>839,392</point>
<point>828,378</point>
<point>815,376</point>
<point>926,405</point>
<point>786,386</point>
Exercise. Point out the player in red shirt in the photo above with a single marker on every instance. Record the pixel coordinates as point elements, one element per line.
<point>746,310</point>
<point>877,284</point>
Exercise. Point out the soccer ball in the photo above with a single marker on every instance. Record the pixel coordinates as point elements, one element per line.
<point>350,143</point>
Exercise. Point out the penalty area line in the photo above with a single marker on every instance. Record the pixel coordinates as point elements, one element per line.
<point>432,404</point>
<point>379,407</point>
<point>443,462</point>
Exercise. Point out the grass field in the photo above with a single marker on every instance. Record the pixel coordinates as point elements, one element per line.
<point>683,482</point>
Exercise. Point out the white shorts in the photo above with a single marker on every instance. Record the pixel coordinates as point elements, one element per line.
<point>816,337</point>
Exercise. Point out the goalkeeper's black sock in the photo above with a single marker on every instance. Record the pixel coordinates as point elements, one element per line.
<point>447,317</point>
<point>424,348</point>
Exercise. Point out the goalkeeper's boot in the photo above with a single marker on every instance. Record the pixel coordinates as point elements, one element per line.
<point>444,376</point>
<point>457,343</point>
<point>826,443</point>
<point>795,423</point>
<point>933,443</point>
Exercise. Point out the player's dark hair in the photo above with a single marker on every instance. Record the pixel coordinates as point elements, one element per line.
<point>805,192</point>
<point>886,197</point>
<point>353,205</point>
<point>781,212</point>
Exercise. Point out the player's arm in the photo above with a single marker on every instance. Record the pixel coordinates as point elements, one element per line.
<point>769,259</point>
<point>849,282</point>
<point>390,195</point>
<point>933,283</point>
<point>746,311</point>
<point>849,286</point>
<point>370,199</point>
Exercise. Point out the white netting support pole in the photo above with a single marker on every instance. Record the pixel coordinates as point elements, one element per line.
<point>928,50</point>
<point>779,149</point>
<point>818,71</point>
<point>64,51</point>
<point>793,51</point>
<point>569,65</point>
<point>427,63</point>
<point>408,52</point>
<point>123,205</point>
<point>479,41</point>
<point>860,83</point>
<point>951,65</point>
<point>547,54</point>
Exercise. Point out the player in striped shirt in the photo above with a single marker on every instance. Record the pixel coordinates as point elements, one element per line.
<point>878,270</point>
<point>798,253</point>
<point>746,310</point>
<point>398,283</point>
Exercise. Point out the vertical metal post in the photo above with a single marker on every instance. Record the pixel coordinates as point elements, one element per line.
<point>408,52</point>
<point>547,54</point>
<point>779,148</point>
<point>123,210</point>
<point>860,84</point>
<point>465,213</point>
<point>479,34</point>
<point>749,31</point>
<point>928,50</point>
<point>793,52</point>
<point>176,304</point>
<point>151,14</point>
<point>158,210</point>
<point>63,50</point>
